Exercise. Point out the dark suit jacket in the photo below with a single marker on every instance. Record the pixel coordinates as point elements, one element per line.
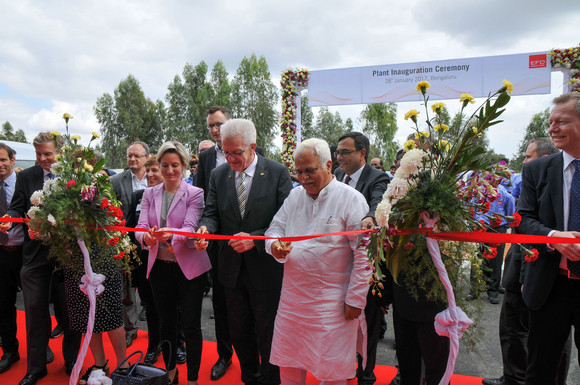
<point>541,206</point>
<point>271,184</point>
<point>372,184</point>
<point>123,188</point>
<point>28,181</point>
<point>206,164</point>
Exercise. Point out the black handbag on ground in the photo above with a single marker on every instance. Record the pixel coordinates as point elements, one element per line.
<point>140,373</point>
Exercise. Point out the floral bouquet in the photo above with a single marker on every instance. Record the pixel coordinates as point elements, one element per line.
<point>439,187</point>
<point>78,204</point>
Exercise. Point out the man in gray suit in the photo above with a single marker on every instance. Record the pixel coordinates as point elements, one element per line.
<point>243,196</point>
<point>124,184</point>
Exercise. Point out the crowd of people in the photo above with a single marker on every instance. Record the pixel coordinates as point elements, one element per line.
<point>289,308</point>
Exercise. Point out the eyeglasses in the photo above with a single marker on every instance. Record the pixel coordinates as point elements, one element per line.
<point>308,171</point>
<point>235,154</point>
<point>129,156</point>
<point>343,153</point>
<point>215,125</point>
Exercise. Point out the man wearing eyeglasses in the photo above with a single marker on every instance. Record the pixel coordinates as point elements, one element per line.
<point>352,153</point>
<point>243,197</point>
<point>124,184</point>
<point>209,159</point>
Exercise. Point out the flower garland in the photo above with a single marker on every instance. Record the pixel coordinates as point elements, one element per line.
<point>291,83</point>
<point>568,58</point>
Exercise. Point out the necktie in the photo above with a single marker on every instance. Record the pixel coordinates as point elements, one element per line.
<point>574,215</point>
<point>347,179</point>
<point>3,209</point>
<point>242,195</point>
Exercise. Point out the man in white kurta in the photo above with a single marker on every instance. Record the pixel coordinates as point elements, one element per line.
<point>325,279</point>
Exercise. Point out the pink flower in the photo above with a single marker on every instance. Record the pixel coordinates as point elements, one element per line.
<point>70,184</point>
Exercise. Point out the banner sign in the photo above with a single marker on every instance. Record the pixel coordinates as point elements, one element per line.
<point>528,72</point>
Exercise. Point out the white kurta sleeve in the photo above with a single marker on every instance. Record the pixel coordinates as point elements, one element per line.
<point>278,227</point>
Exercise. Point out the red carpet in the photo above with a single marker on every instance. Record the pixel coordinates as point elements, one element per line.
<point>56,374</point>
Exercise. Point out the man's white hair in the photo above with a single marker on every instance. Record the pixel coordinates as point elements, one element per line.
<point>239,127</point>
<point>319,146</point>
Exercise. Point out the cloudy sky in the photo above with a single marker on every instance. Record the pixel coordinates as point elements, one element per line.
<point>60,56</point>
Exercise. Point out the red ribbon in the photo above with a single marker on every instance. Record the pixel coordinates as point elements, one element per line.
<point>462,236</point>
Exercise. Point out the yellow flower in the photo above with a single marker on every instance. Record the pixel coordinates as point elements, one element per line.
<point>475,131</point>
<point>507,86</point>
<point>443,144</point>
<point>55,134</point>
<point>443,127</point>
<point>58,157</point>
<point>422,86</point>
<point>76,138</point>
<point>88,167</point>
<point>466,98</point>
<point>421,134</point>
<point>66,116</point>
<point>409,145</point>
<point>437,107</point>
<point>412,114</point>
<point>95,135</point>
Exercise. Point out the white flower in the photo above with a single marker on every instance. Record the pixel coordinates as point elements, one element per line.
<point>51,219</point>
<point>397,188</point>
<point>37,198</point>
<point>32,212</point>
<point>382,213</point>
<point>412,161</point>
<point>56,168</point>
<point>49,186</point>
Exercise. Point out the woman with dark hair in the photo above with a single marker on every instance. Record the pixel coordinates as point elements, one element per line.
<point>176,269</point>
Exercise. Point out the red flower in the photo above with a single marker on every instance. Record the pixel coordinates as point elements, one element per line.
<point>113,241</point>
<point>70,184</point>
<point>104,203</point>
<point>121,255</point>
<point>531,255</point>
<point>496,222</point>
<point>409,246</point>
<point>490,253</point>
<point>516,221</point>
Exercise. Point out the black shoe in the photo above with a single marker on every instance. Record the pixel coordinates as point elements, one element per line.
<point>181,355</point>
<point>57,332</point>
<point>31,378</point>
<point>68,367</point>
<point>219,369</point>
<point>501,290</point>
<point>7,360</point>
<point>493,299</point>
<point>152,356</point>
<point>49,355</point>
<point>129,339</point>
<point>497,381</point>
<point>143,314</point>
<point>471,297</point>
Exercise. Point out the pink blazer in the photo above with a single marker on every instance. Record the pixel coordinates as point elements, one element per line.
<point>183,215</point>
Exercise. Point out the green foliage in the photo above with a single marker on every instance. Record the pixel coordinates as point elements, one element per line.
<point>537,128</point>
<point>306,115</point>
<point>255,97</point>
<point>126,117</point>
<point>328,126</point>
<point>380,126</point>
<point>9,134</point>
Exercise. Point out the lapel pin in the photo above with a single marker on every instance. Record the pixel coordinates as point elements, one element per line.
<point>262,174</point>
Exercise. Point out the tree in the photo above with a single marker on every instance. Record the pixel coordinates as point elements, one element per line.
<point>380,126</point>
<point>328,126</point>
<point>306,116</point>
<point>126,117</point>
<point>188,100</point>
<point>220,85</point>
<point>538,128</point>
<point>254,97</point>
<point>9,134</point>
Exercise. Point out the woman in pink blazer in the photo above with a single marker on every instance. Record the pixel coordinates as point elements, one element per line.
<point>176,269</point>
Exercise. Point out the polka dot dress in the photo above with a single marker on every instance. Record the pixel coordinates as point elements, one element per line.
<point>109,315</point>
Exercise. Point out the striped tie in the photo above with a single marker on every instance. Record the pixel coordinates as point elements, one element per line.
<point>242,195</point>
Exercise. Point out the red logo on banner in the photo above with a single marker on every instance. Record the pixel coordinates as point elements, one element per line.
<point>538,61</point>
